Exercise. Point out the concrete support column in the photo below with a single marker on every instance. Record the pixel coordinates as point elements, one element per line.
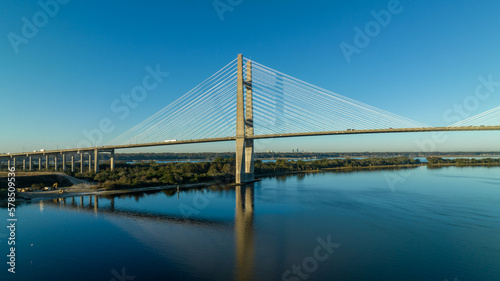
<point>30,163</point>
<point>249,160</point>
<point>72,163</point>
<point>55,162</point>
<point>24,164</point>
<point>96,160</point>
<point>112,160</point>
<point>240,124</point>
<point>46,162</point>
<point>64,162</point>
<point>39,163</point>
<point>249,150</point>
<point>240,161</point>
<point>81,163</point>
<point>14,162</point>
<point>90,162</point>
<point>8,164</point>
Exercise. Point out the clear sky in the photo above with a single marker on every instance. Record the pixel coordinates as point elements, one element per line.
<point>63,64</point>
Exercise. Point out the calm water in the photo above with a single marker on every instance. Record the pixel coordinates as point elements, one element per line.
<point>419,224</point>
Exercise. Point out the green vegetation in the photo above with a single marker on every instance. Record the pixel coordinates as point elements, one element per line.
<point>154,174</point>
<point>438,161</point>
<point>262,168</point>
<point>3,196</point>
<point>222,170</point>
<point>209,156</point>
<point>36,182</point>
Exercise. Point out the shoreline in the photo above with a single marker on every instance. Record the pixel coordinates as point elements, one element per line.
<point>36,196</point>
<point>463,165</point>
<point>347,169</point>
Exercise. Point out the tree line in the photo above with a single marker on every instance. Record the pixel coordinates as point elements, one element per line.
<point>221,170</point>
<point>462,161</point>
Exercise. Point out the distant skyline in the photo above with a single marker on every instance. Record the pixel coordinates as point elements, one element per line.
<point>66,65</point>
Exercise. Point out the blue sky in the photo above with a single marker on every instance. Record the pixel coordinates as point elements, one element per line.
<point>64,78</point>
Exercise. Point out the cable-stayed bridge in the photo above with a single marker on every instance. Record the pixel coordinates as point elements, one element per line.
<point>245,101</point>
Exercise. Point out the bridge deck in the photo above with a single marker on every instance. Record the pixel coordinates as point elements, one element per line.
<point>325,133</point>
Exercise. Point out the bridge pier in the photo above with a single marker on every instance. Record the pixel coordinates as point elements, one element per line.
<point>72,163</point>
<point>90,162</point>
<point>112,160</point>
<point>24,164</point>
<point>63,162</point>
<point>14,162</point>
<point>240,124</point>
<point>55,162</point>
<point>81,163</point>
<point>249,149</point>
<point>96,160</point>
<point>39,163</point>
<point>30,163</point>
<point>47,162</point>
<point>244,125</point>
<point>8,164</point>
<point>240,161</point>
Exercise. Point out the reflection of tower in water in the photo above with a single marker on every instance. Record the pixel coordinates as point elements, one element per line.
<point>243,221</point>
<point>244,232</point>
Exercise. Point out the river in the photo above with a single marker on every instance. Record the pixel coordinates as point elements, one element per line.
<point>413,224</point>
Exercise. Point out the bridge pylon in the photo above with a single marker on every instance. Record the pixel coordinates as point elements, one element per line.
<point>244,124</point>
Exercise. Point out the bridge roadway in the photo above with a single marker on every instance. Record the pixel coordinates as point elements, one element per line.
<point>110,148</point>
<point>93,152</point>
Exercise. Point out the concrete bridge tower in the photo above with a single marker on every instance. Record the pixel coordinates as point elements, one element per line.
<point>244,124</point>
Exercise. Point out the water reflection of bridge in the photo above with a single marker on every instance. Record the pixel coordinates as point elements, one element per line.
<point>92,205</point>
<point>243,220</point>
